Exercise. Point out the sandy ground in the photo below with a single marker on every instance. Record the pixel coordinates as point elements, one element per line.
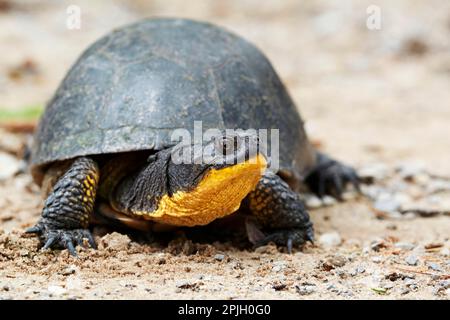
<point>376,99</point>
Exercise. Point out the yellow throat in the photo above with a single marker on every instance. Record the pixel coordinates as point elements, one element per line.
<point>218,194</point>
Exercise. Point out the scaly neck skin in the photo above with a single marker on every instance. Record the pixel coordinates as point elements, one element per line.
<point>142,191</point>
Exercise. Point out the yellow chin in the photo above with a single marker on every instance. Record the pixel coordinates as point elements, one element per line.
<point>218,194</point>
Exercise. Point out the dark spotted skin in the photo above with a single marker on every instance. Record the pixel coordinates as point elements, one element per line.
<point>280,212</point>
<point>66,213</point>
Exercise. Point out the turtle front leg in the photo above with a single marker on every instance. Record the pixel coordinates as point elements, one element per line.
<point>280,212</point>
<point>65,217</point>
<point>331,177</point>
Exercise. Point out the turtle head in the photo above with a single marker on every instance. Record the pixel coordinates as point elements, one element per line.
<point>216,178</point>
<point>194,184</point>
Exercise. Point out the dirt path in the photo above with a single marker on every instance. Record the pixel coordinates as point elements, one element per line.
<point>378,100</point>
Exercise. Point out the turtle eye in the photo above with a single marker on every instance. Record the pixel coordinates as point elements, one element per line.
<point>228,144</point>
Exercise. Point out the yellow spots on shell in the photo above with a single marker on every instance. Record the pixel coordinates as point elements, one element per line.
<point>218,194</point>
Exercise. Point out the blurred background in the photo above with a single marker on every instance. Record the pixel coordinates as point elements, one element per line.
<point>367,95</point>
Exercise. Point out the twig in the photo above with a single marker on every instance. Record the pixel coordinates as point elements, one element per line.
<point>426,213</point>
<point>442,277</point>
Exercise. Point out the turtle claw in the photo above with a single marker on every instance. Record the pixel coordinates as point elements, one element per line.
<point>35,229</point>
<point>309,236</point>
<point>62,239</point>
<point>288,237</point>
<point>331,177</point>
<point>289,245</point>
<point>49,242</point>
<point>69,245</point>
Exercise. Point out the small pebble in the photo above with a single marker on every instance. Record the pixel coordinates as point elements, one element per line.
<point>279,286</point>
<point>305,289</point>
<point>360,269</point>
<point>376,259</point>
<point>219,257</point>
<point>387,204</point>
<point>346,293</point>
<point>115,241</point>
<point>337,261</point>
<point>389,285</point>
<point>184,284</point>
<point>412,260</point>
<point>405,291</point>
<point>411,284</point>
<point>409,170</point>
<point>312,202</point>
<point>328,201</point>
<point>24,253</point>
<point>278,266</point>
<point>444,284</point>
<point>331,239</point>
<point>332,287</point>
<point>376,171</point>
<point>434,266</point>
<point>377,245</point>
<point>404,245</point>
<point>69,270</point>
<point>445,252</point>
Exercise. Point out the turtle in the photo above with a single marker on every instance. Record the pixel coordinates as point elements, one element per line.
<point>104,151</point>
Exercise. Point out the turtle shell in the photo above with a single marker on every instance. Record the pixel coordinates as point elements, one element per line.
<point>130,90</point>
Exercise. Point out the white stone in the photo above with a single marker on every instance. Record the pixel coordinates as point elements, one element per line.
<point>330,239</point>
